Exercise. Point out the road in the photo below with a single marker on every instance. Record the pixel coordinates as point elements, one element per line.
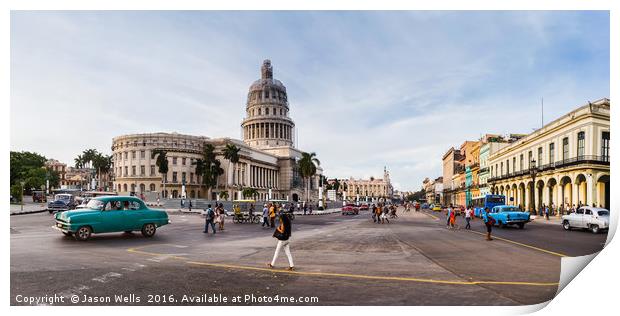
<point>340,260</point>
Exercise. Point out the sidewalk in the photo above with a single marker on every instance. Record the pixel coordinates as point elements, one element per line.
<point>29,208</point>
<point>553,220</point>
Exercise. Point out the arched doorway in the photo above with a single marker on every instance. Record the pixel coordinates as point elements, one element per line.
<point>582,189</point>
<point>513,194</point>
<point>552,192</point>
<point>602,189</point>
<point>540,185</point>
<point>295,197</point>
<point>566,193</point>
<point>521,196</point>
<point>192,194</point>
<point>175,194</point>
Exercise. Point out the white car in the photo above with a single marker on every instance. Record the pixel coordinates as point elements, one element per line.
<point>592,218</point>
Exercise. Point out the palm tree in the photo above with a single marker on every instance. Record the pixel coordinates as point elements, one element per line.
<point>162,164</point>
<point>79,162</point>
<point>224,195</point>
<point>102,165</point>
<point>210,168</point>
<point>307,167</point>
<point>231,152</point>
<point>249,192</point>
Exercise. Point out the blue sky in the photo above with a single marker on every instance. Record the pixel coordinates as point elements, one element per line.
<point>366,89</point>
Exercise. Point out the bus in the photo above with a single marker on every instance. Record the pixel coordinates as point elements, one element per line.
<point>490,200</point>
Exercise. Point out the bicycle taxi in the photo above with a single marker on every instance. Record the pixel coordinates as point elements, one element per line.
<point>241,212</point>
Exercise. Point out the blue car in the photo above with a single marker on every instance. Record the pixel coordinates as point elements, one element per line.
<point>509,215</point>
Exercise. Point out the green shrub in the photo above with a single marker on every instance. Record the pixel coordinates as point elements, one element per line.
<point>16,192</point>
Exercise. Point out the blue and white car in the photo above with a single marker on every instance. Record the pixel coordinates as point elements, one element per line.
<point>509,215</point>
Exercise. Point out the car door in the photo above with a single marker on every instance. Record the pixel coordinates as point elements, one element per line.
<point>577,218</point>
<point>587,217</point>
<point>135,216</point>
<point>113,217</point>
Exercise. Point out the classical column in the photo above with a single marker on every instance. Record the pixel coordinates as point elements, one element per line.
<point>527,197</point>
<point>575,194</point>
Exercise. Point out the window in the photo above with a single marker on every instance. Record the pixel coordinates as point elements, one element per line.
<point>581,144</point>
<point>126,158</point>
<point>605,146</point>
<point>551,153</point>
<point>142,154</point>
<point>280,111</point>
<point>183,177</point>
<point>491,171</point>
<point>133,154</point>
<point>174,177</point>
<point>529,159</point>
<point>142,170</point>
<point>521,162</point>
<point>565,148</point>
<point>152,187</point>
<point>588,212</point>
<point>152,170</point>
<point>191,177</point>
<point>540,156</point>
<point>267,111</point>
<point>580,211</point>
<point>126,173</point>
<point>514,164</point>
<point>259,111</point>
<point>267,97</point>
<point>174,160</point>
<point>133,170</point>
<point>501,166</point>
<point>183,161</point>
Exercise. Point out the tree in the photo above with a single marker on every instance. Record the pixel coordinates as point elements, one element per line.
<point>162,164</point>
<point>22,162</point>
<point>224,195</point>
<point>231,152</point>
<point>102,164</point>
<point>249,192</point>
<point>210,167</point>
<point>79,162</point>
<point>307,167</point>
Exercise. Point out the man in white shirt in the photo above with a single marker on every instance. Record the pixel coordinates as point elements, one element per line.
<point>468,215</point>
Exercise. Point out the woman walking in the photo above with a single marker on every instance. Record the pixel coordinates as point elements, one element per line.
<point>283,233</point>
<point>221,216</point>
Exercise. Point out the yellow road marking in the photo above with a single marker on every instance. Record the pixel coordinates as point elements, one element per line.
<point>431,215</point>
<point>521,244</point>
<point>345,275</point>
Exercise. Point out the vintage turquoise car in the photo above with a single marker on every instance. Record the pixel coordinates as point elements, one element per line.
<point>509,215</point>
<point>108,214</point>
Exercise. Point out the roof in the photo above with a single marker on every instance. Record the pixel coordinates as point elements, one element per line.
<point>116,198</point>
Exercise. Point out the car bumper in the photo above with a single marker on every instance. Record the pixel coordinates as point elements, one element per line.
<point>517,221</point>
<point>63,227</point>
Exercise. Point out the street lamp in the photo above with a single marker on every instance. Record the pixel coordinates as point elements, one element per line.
<point>22,197</point>
<point>533,171</point>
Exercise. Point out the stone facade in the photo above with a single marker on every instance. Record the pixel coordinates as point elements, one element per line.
<point>564,163</point>
<point>268,158</point>
<point>369,189</point>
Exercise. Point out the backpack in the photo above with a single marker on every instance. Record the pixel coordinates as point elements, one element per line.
<point>210,214</point>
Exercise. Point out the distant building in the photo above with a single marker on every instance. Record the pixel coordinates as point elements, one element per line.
<point>369,189</point>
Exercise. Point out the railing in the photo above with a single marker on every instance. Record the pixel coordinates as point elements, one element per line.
<point>485,169</point>
<point>585,159</point>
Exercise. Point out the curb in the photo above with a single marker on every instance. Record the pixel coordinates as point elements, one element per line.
<point>28,212</point>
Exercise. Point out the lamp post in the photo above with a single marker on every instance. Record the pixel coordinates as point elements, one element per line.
<point>533,172</point>
<point>22,196</point>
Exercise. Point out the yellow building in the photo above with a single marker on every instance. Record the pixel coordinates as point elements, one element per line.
<point>563,164</point>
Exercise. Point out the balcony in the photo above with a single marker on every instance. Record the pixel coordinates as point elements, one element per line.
<point>586,159</point>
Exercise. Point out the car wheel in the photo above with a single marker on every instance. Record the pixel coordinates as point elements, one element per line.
<point>501,225</point>
<point>521,225</point>
<point>566,225</point>
<point>594,229</point>
<point>256,220</point>
<point>50,211</point>
<point>148,230</point>
<point>83,233</point>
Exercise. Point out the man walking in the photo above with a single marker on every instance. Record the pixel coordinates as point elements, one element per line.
<point>265,216</point>
<point>448,213</point>
<point>283,233</point>
<point>209,219</point>
<point>488,221</point>
<point>468,215</point>
<point>272,215</point>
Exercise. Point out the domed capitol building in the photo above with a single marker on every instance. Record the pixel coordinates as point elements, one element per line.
<point>267,157</point>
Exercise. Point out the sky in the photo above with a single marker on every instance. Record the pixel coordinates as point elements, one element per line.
<point>366,89</point>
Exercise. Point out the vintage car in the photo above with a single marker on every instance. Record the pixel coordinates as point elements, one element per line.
<point>587,217</point>
<point>62,202</point>
<point>436,208</point>
<point>111,214</point>
<point>509,215</point>
<point>39,197</point>
<point>350,209</point>
<point>364,207</point>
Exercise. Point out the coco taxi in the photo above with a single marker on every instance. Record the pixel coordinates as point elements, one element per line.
<point>109,214</point>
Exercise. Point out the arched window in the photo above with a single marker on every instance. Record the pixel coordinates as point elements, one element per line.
<point>152,187</point>
<point>142,187</point>
<point>125,187</point>
<point>259,111</point>
<point>133,187</point>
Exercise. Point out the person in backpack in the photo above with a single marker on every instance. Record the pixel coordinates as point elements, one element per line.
<point>489,221</point>
<point>265,216</point>
<point>283,233</point>
<point>209,219</point>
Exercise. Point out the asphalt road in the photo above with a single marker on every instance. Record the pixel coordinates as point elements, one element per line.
<point>340,260</point>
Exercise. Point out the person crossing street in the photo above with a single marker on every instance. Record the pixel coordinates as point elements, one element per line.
<point>283,233</point>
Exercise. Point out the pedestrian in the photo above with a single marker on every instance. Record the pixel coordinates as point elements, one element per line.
<point>182,203</point>
<point>305,208</point>
<point>374,213</point>
<point>384,215</point>
<point>190,205</point>
<point>265,216</point>
<point>468,215</point>
<point>272,215</point>
<point>209,219</point>
<point>448,213</point>
<point>283,233</point>
<point>547,212</point>
<point>378,213</point>
<point>310,210</point>
<point>453,219</point>
<point>222,216</point>
<point>489,221</point>
<point>251,211</point>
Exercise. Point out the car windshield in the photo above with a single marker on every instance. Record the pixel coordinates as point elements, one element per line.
<point>510,209</point>
<point>94,205</point>
<point>603,213</point>
<point>62,197</point>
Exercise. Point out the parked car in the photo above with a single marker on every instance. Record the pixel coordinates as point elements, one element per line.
<point>62,202</point>
<point>111,214</point>
<point>350,209</point>
<point>364,207</point>
<point>509,215</point>
<point>39,197</point>
<point>593,218</point>
<point>436,208</point>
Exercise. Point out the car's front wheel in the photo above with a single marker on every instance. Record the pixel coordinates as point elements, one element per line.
<point>148,230</point>
<point>67,233</point>
<point>502,225</point>
<point>594,229</point>
<point>521,225</point>
<point>83,233</point>
<point>566,225</point>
